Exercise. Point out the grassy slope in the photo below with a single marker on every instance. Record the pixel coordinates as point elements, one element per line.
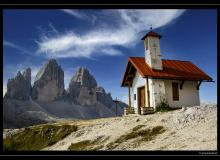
<point>37,137</point>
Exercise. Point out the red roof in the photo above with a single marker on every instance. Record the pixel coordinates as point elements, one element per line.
<point>172,69</point>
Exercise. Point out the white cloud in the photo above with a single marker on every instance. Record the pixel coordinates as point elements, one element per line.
<point>102,39</point>
<point>80,15</point>
<point>75,13</point>
<point>15,46</point>
<point>53,28</point>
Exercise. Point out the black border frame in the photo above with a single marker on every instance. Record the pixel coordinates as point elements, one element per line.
<point>203,153</point>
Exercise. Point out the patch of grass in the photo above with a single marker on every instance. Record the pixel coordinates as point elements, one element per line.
<point>152,133</point>
<point>79,146</point>
<point>163,147</point>
<point>157,130</point>
<point>37,137</point>
<point>137,127</point>
<point>88,144</point>
<point>144,135</point>
<point>163,106</point>
<point>172,133</point>
<point>98,148</point>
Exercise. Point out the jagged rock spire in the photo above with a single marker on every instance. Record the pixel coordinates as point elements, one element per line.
<point>49,82</point>
<point>20,86</point>
<point>84,78</point>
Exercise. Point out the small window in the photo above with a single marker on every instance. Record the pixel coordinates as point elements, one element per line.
<point>134,96</point>
<point>175,91</point>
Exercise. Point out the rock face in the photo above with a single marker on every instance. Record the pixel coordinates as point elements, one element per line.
<point>27,75</point>
<point>103,97</point>
<point>82,77</point>
<point>19,87</point>
<point>83,89</point>
<point>49,82</point>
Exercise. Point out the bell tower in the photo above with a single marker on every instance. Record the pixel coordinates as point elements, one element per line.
<point>152,50</point>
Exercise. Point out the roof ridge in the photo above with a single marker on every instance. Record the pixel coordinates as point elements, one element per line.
<point>175,60</point>
<point>164,59</point>
<point>135,57</point>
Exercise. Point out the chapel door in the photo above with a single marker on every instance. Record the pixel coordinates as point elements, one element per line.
<point>141,98</point>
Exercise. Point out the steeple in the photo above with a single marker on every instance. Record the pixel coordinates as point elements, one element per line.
<point>152,49</point>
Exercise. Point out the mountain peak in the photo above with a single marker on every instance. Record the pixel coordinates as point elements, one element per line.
<point>82,77</point>
<point>49,82</point>
<point>52,61</point>
<point>27,75</point>
<point>20,86</point>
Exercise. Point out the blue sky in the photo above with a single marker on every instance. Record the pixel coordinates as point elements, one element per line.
<point>102,41</point>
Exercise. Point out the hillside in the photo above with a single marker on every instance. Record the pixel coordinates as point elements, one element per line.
<point>192,128</point>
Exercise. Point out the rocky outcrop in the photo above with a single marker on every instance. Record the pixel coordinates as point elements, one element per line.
<point>83,78</point>
<point>195,113</point>
<point>27,75</point>
<point>49,82</point>
<point>80,87</point>
<point>103,97</point>
<point>83,90</point>
<point>19,87</point>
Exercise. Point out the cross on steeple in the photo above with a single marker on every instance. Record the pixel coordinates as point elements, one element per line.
<point>151,27</point>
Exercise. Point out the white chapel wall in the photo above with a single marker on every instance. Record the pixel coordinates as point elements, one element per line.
<point>138,81</point>
<point>157,91</point>
<point>188,96</point>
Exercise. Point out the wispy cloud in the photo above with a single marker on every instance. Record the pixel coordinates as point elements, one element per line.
<point>75,13</point>
<point>102,39</point>
<point>53,28</point>
<point>80,15</point>
<point>17,47</point>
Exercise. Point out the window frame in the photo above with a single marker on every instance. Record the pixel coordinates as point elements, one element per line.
<point>175,91</point>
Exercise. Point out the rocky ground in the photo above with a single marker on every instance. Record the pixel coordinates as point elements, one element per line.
<point>189,128</point>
